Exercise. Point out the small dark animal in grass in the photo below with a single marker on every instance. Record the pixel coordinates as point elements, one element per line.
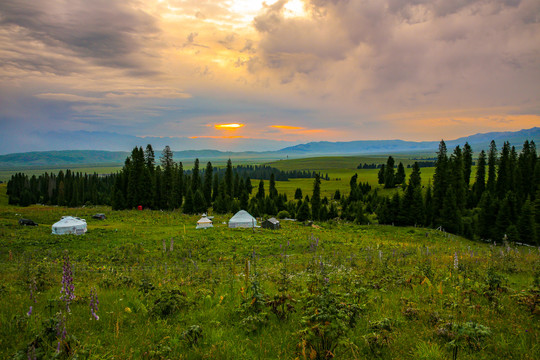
<point>99,216</point>
<point>27,222</point>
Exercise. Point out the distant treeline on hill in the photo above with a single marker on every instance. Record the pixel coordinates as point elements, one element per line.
<point>422,164</point>
<point>143,183</point>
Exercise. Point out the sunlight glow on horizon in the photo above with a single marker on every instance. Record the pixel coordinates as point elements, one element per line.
<point>228,126</point>
<point>217,137</point>
<point>287,127</point>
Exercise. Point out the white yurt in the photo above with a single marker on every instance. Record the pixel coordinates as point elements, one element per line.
<point>242,219</point>
<point>204,223</point>
<point>69,225</point>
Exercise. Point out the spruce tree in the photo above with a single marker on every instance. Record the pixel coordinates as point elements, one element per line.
<point>207,186</point>
<point>480,182</point>
<point>188,207</point>
<point>400,174</point>
<point>248,185</point>
<point>503,173</point>
<point>167,180</point>
<point>457,178</point>
<point>440,183</point>
<point>413,203</point>
<point>303,211</point>
<point>260,192</point>
<point>316,197</point>
<point>492,163</point>
<point>298,194</point>
<point>199,202</point>
<point>467,163</point>
<point>229,179</point>
<point>195,177</point>
<point>179,185</point>
<point>389,178</point>
<point>272,191</point>
<point>380,174</point>
<point>215,186</point>
<point>450,214</point>
<point>526,225</point>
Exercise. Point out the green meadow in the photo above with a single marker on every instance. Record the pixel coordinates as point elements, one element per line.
<point>333,290</point>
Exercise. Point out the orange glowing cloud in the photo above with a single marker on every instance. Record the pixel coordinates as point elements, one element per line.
<point>216,137</point>
<point>228,126</point>
<point>286,127</point>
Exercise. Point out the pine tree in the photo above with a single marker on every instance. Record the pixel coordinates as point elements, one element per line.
<point>298,194</point>
<point>526,225</point>
<point>189,202</point>
<point>506,216</point>
<point>428,206</point>
<point>179,185</point>
<point>272,191</point>
<point>450,213</point>
<point>260,192</point>
<point>195,177</point>
<point>199,202</point>
<point>167,180</point>
<point>400,174</point>
<point>457,178</point>
<point>248,185</point>
<point>207,187</point>
<point>135,185</point>
<point>229,179</point>
<point>303,211</point>
<point>413,203</point>
<point>492,163</point>
<point>215,187</point>
<point>440,183</point>
<point>381,173</point>
<point>316,197</point>
<point>467,163</point>
<point>389,178</point>
<point>480,182</point>
<point>503,174</point>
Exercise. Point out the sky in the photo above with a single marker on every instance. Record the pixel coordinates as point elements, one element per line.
<point>283,71</point>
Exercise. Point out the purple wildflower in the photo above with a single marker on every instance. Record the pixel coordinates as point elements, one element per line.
<point>29,313</point>
<point>456,263</point>
<point>68,288</point>
<point>94,302</point>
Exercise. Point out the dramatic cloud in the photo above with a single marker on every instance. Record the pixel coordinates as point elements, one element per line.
<point>321,69</point>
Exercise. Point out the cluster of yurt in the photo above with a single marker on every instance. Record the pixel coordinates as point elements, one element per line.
<point>241,219</point>
<point>69,225</point>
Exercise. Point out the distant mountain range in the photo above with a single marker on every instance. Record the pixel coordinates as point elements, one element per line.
<point>363,147</point>
<point>477,142</point>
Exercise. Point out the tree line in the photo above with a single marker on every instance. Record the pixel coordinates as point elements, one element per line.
<point>503,202</point>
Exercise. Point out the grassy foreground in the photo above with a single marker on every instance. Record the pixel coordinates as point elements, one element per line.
<point>168,291</point>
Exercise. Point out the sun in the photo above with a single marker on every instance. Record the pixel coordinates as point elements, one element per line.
<point>228,126</point>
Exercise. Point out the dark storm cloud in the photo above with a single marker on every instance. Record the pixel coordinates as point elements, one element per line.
<point>407,52</point>
<point>107,33</point>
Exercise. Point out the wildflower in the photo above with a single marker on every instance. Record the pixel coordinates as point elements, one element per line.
<point>68,288</point>
<point>128,310</point>
<point>172,245</point>
<point>94,302</point>
<point>455,261</point>
<point>220,299</point>
<point>29,312</point>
